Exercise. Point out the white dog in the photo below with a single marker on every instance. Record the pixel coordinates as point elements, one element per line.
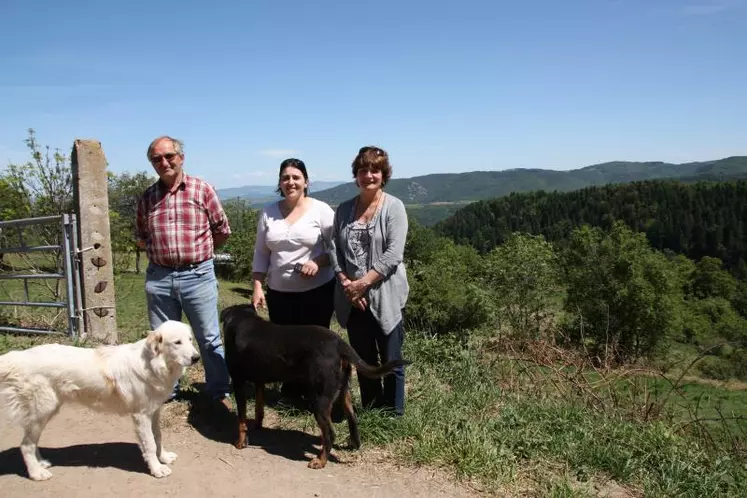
<point>129,379</point>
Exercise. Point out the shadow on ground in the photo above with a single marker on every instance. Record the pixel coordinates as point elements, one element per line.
<point>214,421</point>
<point>242,292</point>
<point>123,456</point>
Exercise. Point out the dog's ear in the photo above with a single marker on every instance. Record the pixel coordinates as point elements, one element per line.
<point>155,342</point>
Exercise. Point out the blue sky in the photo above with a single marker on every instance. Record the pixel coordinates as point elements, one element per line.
<point>444,86</point>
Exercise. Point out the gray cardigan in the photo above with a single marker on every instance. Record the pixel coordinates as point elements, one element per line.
<point>388,296</point>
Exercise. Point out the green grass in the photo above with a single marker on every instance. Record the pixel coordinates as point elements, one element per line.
<point>508,432</point>
<point>132,312</point>
<point>460,418</point>
<point>46,290</point>
<point>717,406</point>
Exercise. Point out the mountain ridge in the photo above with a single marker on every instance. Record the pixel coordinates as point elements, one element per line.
<point>479,185</point>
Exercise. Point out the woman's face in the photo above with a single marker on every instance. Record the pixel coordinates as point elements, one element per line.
<point>369,179</point>
<point>292,183</point>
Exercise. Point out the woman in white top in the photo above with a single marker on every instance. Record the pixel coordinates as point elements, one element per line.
<point>291,253</point>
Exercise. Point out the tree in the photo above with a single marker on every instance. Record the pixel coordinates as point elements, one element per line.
<point>523,276</point>
<point>124,192</point>
<point>12,206</point>
<point>422,244</point>
<point>44,186</point>
<point>45,183</point>
<point>623,297</point>
<point>243,221</point>
<point>446,295</point>
<point>709,279</point>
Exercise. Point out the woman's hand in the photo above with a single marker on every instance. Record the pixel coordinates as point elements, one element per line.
<point>360,302</point>
<point>343,279</point>
<point>258,298</point>
<point>355,289</point>
<point>309,269</point>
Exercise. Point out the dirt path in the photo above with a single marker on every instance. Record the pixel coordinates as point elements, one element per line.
<point>96,455</point>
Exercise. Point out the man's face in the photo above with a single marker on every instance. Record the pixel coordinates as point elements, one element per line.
<point>166,162</point>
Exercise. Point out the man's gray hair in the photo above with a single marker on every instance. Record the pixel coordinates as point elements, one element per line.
<point>178,145</point>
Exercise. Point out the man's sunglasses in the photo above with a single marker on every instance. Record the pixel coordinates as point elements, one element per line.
<point>169,156</point>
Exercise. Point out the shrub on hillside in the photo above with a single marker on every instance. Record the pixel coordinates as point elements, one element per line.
<point>623,297</point>
<point>523,276</point>
<point>445,291</point>
<point>240,245</point>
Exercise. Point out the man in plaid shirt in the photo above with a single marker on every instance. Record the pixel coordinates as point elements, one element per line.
<point>180,222</point>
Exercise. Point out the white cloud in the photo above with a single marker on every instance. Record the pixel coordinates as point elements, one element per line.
<point>278,153</point>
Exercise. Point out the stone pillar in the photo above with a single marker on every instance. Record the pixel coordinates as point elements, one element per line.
<point>90,192</point>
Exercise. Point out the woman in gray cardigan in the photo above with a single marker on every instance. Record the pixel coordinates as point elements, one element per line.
<point>368,250</point>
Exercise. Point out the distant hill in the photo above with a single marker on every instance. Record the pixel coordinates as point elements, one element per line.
<point>478,185</point>
<point>262,193</point>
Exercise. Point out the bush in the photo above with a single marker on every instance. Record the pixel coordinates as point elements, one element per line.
<point>445,291</point>
<point>623,298</point>
<point>709,279</point>
<point>716,368</point>
<point>522,274</point>
<point>713,320</point>
<point>240,246</point>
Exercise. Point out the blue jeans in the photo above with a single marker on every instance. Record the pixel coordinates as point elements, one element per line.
<point>375,348</point>
<point>193,291</point>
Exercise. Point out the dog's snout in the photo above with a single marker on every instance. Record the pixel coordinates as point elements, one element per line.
<point>195,358</point>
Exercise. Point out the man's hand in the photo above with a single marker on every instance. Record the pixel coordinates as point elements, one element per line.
<point>219,239</point>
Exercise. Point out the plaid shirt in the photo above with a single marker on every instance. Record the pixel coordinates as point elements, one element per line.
<point>178,227</point>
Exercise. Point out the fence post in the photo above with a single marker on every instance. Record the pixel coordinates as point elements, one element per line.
<point>90,191</point>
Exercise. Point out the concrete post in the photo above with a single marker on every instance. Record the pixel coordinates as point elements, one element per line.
<point>90,192</point>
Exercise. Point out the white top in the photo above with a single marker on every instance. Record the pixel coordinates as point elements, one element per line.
<point>280,246</point>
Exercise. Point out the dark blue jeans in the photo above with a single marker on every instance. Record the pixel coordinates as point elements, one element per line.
<point>375,348</point>
<point>195,293</point>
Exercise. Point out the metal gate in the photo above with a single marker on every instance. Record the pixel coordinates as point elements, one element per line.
<point>70,271</point>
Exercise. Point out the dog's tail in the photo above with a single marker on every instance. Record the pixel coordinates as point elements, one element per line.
<point>13,398</point>
<point>370,371</point>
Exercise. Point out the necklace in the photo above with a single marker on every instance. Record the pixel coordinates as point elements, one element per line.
<point>365,217</point>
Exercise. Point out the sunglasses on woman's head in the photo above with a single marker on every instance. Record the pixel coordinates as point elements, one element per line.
<point>375,150</point>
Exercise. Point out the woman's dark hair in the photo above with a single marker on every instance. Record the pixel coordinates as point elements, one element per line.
<point>375,159</point>
<point>293,163</point>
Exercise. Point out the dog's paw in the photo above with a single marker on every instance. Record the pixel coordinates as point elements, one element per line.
<point>40,475</point>
<point>240,443</point>
<point>45,463</point>
<point>160,471</point>
<point>167,457</point>
<point>316,463</point>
